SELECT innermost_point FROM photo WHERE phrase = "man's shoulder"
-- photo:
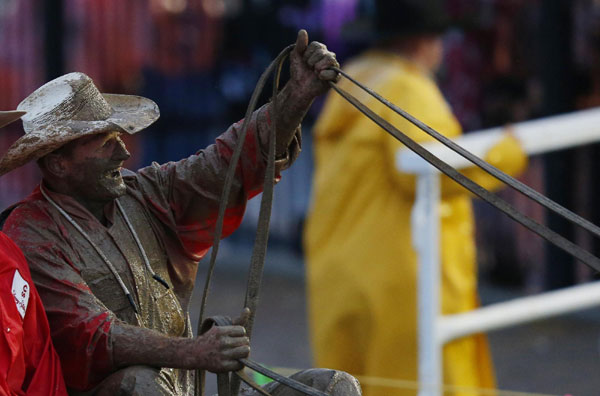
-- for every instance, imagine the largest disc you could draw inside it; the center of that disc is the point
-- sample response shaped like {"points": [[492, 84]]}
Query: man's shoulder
{"points": [[32, 208], [31, 214], [128, 174], [138, 181]]}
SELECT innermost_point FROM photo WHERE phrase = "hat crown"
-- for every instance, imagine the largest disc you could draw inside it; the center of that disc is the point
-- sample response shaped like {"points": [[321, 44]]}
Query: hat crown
{"points": [[70, 97]]}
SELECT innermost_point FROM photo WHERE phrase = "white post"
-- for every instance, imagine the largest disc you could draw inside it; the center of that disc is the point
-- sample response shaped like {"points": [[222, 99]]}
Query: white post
{"points": [[425, 234]]}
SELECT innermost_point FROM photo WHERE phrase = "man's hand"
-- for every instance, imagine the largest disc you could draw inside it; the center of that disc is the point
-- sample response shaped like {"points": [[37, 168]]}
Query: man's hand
{"points": [[309, 64], [217, 350], [220, 348], [309, 78]]}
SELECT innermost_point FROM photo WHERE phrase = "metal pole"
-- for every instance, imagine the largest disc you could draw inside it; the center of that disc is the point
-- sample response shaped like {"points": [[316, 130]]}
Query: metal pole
{"points": [[425, 234]]}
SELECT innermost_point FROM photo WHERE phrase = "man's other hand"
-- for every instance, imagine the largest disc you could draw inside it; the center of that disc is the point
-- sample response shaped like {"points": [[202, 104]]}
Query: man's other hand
{"points": [[309, 64]]}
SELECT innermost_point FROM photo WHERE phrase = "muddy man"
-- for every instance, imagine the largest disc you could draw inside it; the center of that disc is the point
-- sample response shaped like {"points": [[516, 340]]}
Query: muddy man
{"points": [[114, 253]]}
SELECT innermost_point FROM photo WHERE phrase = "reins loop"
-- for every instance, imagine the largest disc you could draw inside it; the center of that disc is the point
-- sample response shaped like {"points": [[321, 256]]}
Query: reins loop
{"points": [[262, 233]]}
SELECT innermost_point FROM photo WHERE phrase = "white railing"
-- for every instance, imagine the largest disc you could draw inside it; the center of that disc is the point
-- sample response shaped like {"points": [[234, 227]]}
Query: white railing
{"points": [[536, 137]]}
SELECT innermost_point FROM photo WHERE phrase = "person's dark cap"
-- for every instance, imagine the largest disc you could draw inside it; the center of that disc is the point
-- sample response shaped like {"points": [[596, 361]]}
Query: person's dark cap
{"points": [[392, 18], [408, 17]]}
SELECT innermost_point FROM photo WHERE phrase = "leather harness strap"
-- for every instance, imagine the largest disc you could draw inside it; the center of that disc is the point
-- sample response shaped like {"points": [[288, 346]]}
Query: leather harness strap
{"points": [[492, 170], [259, 251], [551, 236], [262, 233], [228, 386]]}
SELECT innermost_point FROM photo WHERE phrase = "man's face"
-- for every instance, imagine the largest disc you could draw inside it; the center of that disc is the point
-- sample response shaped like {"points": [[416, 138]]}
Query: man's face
{"points": [[93, 167]]}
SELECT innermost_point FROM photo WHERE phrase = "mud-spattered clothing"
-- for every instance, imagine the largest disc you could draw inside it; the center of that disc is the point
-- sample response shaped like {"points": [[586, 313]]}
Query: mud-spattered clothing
{"points": [[361, 265], [173, 208], [29, 364]]}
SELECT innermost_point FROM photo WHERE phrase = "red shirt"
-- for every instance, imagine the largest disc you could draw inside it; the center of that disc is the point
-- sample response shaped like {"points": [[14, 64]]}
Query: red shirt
{"points": [[28, 363]]}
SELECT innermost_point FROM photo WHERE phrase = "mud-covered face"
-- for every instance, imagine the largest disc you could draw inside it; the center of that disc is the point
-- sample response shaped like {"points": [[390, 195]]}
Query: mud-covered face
{"points": [[93, 167]]}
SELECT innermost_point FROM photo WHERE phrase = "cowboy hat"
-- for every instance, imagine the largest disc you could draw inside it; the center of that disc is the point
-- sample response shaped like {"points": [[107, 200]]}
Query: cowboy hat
{"points": [[6, 117], [68, 108]]}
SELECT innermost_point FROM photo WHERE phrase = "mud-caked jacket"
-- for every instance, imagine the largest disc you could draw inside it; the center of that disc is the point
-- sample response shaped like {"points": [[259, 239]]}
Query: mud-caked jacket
{"points": [[173, 210]]}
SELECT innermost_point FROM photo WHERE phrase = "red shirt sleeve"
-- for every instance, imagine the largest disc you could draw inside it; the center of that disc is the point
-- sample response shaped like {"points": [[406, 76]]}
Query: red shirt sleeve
{"points": [[28, 362]]}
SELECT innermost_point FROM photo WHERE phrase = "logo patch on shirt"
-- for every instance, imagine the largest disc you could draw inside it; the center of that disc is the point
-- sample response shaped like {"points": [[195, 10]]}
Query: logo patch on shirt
{"points": [[20, 291]]}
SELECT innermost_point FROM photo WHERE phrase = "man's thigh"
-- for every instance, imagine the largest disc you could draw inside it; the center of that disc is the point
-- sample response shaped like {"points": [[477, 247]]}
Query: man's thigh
{"points": [[332, 382], [133, 381]]}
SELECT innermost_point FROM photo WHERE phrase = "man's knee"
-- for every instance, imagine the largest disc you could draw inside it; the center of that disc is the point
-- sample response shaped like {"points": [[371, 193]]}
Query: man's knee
{"points": [[332, 382], [335, 382]]}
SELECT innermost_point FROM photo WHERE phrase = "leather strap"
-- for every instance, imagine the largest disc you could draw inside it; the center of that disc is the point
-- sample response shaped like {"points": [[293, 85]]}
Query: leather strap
{"points": [[260, 245], [492, 170], [543, 231], [289, 382], [244, 377], [259, 251]]}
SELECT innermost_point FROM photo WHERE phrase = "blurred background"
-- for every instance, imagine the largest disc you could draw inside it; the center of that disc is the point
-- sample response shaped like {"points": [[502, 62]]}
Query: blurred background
{"points": [[199, 60]]}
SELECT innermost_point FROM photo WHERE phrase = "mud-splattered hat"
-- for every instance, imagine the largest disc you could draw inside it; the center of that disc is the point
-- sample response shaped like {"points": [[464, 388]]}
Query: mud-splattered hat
{"points": [[6, 117], [68, 108]]}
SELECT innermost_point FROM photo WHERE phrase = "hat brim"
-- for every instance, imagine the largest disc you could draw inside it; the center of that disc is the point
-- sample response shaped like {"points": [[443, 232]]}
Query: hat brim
{"points": [[6, 117], [131, 114]]}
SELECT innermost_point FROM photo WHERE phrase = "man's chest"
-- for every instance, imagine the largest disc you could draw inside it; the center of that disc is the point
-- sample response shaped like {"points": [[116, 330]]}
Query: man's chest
{"points": [[126, 257]]}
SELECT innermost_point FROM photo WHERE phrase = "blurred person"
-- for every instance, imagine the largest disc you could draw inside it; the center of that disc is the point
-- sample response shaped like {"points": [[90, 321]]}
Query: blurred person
{"points": [[361, 265], [114, 253], [29, 364]]}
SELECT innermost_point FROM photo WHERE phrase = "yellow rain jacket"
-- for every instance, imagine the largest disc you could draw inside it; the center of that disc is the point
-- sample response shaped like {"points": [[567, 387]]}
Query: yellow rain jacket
{"points": [[361, 266]]}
